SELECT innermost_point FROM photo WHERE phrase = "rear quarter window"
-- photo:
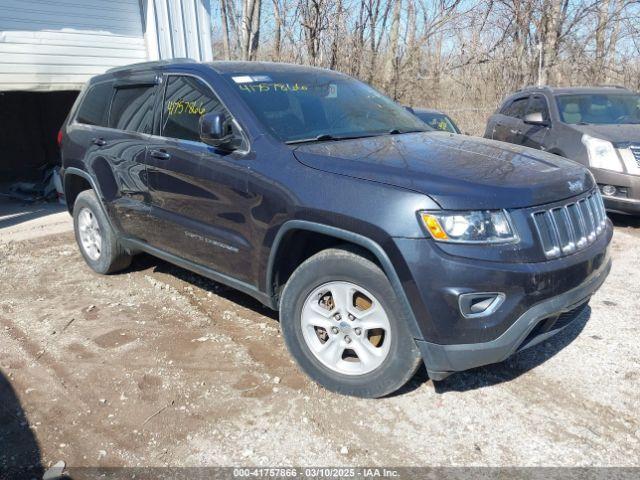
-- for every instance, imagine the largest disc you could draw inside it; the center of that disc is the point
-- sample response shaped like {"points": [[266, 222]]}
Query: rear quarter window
{"points": [[95, 105]]}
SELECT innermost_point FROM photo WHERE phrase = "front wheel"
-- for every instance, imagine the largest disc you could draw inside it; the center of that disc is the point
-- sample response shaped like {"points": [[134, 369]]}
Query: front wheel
{"points": [[343, 324]]}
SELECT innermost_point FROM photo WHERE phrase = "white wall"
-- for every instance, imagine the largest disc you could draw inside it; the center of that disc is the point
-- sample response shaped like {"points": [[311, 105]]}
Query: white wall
{"points": [[178, 29], [58, 45]]}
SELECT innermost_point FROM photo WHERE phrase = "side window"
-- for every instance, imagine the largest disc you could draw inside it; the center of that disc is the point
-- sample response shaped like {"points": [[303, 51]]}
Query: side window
{"points": [[504, 110], [132, 109], [95, 105], [185, 101], [516, 108], [538, 104]]}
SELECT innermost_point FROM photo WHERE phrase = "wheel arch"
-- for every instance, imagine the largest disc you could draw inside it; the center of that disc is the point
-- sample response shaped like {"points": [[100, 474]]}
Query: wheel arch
{"points": [[77, 178], [74, 183], [338, 236]]}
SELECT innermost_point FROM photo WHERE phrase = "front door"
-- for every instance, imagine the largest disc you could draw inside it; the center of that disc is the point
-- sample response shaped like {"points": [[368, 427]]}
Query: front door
{"points": [[514, 126], [198, 193], [534, 135], [507, 122]]}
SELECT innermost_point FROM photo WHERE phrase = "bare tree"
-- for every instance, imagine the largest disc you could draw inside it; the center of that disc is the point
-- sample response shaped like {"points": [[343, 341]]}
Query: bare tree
{"points": [[456, 55], [315, 21], [335, 41], [224, 20], [251, 10], [393, 53], [279, 7]]}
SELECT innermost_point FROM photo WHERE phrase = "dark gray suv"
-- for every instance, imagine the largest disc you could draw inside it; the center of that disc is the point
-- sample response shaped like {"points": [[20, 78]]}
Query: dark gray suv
{"points": [[598, 127], [381, 242]]}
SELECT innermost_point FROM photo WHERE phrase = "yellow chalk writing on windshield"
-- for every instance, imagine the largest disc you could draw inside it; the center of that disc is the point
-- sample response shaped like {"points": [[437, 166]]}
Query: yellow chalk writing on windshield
{"points": [[273, 87]]}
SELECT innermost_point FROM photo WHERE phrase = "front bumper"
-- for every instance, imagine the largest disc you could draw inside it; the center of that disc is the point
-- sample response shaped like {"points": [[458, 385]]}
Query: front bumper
{"points": [[540, 322], [629, 204], [535, 295]]}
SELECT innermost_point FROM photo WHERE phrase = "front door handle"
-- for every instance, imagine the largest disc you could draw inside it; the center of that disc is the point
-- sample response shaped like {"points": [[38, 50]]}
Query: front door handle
{"points": [[101, 142], [515, 132], [160, 154]]}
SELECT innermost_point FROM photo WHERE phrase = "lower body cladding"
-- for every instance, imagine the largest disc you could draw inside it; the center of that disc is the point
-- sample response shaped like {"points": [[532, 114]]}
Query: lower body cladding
{"points": [[620, 191], [534, 302]]}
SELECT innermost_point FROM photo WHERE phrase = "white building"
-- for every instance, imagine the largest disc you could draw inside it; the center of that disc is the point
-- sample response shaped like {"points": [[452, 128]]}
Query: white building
{"points": [[50, 48]]}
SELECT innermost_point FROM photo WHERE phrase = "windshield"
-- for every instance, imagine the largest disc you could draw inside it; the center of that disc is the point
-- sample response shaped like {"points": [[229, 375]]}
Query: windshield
{"points": [[300, 106], [438, 121], [618, 108]]}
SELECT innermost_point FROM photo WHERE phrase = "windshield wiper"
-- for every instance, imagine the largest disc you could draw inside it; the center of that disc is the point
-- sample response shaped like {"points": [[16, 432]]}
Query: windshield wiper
{"points": [[397, 131], [325, 137]]}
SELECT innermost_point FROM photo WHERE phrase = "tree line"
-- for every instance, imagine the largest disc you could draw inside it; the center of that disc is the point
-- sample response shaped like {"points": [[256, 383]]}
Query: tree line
{"points": [[463, 56]]}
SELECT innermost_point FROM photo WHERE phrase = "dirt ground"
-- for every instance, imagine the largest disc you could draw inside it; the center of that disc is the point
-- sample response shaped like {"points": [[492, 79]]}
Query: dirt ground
{"points": [[157, 366]]}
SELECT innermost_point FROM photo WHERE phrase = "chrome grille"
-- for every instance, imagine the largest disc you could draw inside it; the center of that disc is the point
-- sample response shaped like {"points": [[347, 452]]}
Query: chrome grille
{"points": [[635, 149], [565, 229]]}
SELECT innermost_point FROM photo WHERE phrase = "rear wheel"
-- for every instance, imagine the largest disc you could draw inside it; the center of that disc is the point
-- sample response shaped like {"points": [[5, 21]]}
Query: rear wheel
{"points": [[345, 327], [97, 241]]}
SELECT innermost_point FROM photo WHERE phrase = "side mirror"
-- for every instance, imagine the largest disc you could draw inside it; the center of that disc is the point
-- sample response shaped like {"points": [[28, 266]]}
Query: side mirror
{"points": [[409, 109], [535, 118], [215, 130]]}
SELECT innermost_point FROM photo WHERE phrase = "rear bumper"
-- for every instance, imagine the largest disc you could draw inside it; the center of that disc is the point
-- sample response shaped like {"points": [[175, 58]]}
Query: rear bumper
{"points": [[535, 325]]}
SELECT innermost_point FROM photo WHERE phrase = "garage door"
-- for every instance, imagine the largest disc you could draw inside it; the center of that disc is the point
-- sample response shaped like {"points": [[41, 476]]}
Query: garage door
{"points": [[47, 45]]}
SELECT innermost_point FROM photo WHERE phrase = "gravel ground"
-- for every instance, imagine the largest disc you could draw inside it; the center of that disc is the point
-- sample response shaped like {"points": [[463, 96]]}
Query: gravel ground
{"points": [[157, 366]]}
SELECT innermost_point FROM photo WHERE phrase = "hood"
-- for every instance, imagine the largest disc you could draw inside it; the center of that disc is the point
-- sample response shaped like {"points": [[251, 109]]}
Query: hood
{"points": [[618, 134], [457, 171]]}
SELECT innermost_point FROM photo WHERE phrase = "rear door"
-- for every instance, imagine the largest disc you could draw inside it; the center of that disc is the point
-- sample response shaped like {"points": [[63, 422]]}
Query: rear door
{"points": [[124, 152], [198, 193], [534, 135], [108, 135]]}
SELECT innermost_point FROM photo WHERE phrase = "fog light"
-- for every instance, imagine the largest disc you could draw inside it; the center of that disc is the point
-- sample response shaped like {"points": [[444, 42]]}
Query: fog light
{"points": [[479, 304], [608, 190]]}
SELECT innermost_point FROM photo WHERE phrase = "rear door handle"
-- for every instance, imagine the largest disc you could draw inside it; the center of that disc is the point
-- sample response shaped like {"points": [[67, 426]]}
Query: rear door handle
{"points": [[160, 154], [101, 142], [515, 132]]}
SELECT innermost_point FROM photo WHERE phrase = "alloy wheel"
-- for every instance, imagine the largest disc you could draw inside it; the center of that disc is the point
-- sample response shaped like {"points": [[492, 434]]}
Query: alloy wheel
{"points": [[346, 328]]}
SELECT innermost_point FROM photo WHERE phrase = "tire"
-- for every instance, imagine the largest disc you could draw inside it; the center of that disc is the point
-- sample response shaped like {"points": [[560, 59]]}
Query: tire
{"points": [[349, 275], [96, 239]]}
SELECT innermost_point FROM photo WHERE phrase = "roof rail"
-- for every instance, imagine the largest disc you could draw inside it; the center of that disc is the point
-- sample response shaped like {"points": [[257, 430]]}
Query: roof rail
{"points": [[154, 63], [534, 87]]}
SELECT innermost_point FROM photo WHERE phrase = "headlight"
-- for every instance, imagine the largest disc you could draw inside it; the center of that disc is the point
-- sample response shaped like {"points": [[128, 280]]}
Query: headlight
{"points": [[601, 153], [481, 226]]}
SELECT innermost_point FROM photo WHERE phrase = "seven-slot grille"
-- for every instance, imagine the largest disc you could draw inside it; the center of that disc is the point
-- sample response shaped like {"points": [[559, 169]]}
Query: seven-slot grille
{"points": [[567, 228], [635, 149]]}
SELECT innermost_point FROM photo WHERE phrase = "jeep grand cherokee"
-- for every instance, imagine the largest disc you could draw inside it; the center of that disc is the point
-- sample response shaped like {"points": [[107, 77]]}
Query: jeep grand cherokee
{"points": [[382, 242]]}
